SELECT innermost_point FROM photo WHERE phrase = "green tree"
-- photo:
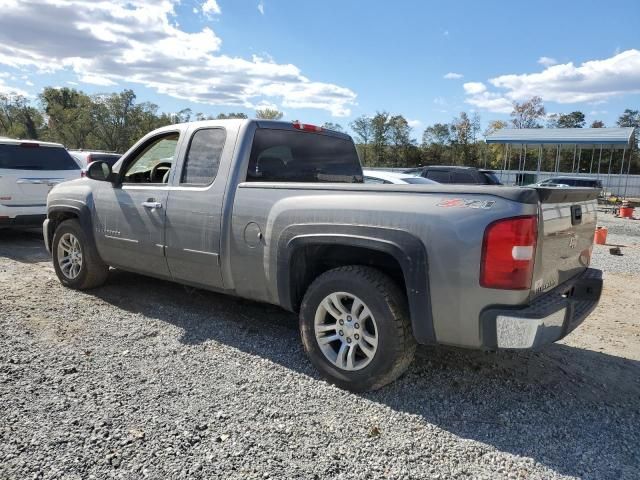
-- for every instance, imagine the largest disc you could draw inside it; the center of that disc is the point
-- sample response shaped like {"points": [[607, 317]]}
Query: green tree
{"points": [[571, 120], [381, 128], [435, 142], [363, 129], [18, 119], [269, 114], [225, 116], [69, 113], [336, 127], [400, 139], [527, 114], [114, 116], [597, 124]]}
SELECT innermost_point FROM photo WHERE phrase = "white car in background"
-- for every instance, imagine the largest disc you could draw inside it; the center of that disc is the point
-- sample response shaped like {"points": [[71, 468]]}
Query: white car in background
{"points": [[397, 178], [28, 170], [85, 157]]}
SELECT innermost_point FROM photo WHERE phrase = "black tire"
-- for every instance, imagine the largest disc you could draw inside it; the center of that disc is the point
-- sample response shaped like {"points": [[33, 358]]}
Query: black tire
{"points": [[388, 305], [93, 271]]}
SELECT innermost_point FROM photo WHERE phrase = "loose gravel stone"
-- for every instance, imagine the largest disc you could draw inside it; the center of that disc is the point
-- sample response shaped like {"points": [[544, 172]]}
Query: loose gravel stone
{"points": [[146, 379]]}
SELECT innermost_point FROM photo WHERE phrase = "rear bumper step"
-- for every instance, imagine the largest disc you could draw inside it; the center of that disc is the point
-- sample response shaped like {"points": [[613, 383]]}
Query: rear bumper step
{"points": [[547, 319]]}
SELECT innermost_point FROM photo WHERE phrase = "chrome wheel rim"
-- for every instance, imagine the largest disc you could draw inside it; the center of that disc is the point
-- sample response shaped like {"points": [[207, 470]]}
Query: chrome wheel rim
{"points": [[346, 331], [69, 256]]}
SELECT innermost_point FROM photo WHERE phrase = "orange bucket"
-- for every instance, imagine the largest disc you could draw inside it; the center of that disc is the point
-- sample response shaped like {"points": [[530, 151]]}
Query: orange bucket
{"points": [[601, 235], [626, 212]]}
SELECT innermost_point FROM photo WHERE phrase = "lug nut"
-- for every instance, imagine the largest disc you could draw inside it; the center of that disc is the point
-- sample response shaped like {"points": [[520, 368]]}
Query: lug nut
{"points": [[341, 333], [341, 322], [348, 318], [356, 336], [348, 339], [357, 325]]}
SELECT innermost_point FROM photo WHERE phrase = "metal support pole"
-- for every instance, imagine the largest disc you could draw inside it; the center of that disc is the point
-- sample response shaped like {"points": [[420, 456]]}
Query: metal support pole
{"points": [[626, 181], [539, 162], [573, 163], [609, 171], [557, 166], [504, 160], [593, 154], [579, 158], [624, 151], [599, 161], [524, 160]]}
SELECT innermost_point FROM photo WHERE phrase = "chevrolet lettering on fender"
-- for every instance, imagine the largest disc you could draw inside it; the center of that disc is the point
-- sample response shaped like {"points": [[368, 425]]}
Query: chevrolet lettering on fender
{"points": [[278, 212]]}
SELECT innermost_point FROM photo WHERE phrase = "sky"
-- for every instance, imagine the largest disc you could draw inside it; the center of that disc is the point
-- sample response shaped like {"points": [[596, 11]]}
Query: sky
{"points": [[331, 61]]}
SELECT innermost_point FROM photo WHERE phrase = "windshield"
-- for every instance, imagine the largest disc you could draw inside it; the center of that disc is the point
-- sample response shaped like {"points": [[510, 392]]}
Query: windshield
{"points": [[31, 156], [419, 180], [492, 178]]}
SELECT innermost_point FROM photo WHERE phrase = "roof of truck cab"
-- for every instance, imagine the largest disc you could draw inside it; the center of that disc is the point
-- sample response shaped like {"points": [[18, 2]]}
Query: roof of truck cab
{"points": [[16, 141], [237, 122]]}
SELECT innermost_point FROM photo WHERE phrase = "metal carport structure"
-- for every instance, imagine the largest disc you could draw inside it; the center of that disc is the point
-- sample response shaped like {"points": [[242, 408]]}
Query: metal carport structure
{"points": [[581, 139]]}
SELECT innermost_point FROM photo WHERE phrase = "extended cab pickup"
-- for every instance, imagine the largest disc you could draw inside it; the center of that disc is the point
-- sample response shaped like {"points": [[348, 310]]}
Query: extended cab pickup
{"points": [[278, 212]]}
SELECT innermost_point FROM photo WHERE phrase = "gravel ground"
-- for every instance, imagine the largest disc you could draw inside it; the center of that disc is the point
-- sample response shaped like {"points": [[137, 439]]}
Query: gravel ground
{"points": [[146, 379], [625, 234]]}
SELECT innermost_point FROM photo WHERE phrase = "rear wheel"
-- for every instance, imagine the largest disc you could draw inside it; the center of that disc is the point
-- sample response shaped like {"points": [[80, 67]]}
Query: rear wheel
{"points": [[75, 260], [355, 328]]}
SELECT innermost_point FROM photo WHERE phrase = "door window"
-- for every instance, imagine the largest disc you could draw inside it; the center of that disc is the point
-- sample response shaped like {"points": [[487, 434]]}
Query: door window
{"points": [[463, 177], [153, 163], [440, 176], [203, 157]]}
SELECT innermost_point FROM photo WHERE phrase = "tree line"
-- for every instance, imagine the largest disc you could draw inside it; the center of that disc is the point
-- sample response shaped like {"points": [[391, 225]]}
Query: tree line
{"points": [[384, 140], [114, 121], [111, 122]]}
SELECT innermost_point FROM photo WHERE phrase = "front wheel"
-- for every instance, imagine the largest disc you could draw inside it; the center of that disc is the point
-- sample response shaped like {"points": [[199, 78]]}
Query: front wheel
{"points": [[75, 261], [355, 328]]}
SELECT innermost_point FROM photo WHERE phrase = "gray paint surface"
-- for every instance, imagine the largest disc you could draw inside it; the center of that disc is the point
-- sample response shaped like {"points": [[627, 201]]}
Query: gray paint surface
{"points": [[227, 236]]}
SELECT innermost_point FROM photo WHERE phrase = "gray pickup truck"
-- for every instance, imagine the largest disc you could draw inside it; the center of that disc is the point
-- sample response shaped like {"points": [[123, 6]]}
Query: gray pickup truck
{"points": [[278, 212]]}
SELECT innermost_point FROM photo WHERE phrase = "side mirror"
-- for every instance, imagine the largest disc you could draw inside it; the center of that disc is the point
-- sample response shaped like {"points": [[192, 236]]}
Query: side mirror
{"points": [[100, 171]]}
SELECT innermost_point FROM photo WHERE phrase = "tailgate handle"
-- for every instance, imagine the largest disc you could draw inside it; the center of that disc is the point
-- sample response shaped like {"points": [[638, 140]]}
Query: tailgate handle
{"points": [[576, 214]]}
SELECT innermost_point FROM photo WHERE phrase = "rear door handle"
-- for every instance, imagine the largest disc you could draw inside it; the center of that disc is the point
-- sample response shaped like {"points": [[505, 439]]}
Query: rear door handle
{"points": [[151, 204]]}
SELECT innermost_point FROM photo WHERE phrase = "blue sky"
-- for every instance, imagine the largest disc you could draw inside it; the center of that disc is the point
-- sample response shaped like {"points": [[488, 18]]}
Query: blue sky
{"points": [[331, 60]]}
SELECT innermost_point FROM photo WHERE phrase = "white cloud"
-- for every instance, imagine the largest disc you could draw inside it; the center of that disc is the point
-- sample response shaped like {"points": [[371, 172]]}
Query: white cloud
{"points": [[414, 123], [453, 76], [261, 7], [592, 82], [547, 61], [211, 7], [11, 90], [138, 42], [440, 101], [474, 88]]}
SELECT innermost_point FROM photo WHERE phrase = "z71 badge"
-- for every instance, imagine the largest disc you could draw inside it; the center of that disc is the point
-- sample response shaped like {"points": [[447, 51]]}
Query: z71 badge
{"points": [[465, 203]]}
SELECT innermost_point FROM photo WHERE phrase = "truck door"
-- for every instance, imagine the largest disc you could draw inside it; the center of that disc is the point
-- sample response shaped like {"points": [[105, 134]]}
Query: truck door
{"points": [[129, 217], [194, 213]]}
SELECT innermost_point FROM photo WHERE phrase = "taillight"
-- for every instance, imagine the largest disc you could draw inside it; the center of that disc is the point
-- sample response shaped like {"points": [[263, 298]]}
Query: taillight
{"points": [[307, 127], [508, 253]]}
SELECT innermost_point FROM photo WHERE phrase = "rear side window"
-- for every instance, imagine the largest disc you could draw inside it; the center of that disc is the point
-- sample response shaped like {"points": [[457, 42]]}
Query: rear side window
{"points": [[291, 156], [34, 157], [203, 157], [441, 176], [463, 177]]}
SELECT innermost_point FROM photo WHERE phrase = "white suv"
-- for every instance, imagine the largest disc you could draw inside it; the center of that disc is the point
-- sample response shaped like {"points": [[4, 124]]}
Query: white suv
{"points": [[85, 157], [28, 170]]}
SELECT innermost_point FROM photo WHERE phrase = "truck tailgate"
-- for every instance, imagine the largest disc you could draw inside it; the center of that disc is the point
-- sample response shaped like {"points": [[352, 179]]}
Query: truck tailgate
{"points": [[566, 235]]}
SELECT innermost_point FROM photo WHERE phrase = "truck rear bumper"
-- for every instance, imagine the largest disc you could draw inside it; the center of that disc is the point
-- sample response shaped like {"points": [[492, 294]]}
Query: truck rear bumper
{"points": [[547, 319]]}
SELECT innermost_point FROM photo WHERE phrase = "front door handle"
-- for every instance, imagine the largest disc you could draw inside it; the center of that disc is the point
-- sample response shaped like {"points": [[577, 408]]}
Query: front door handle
{"points": [[151, 204]]}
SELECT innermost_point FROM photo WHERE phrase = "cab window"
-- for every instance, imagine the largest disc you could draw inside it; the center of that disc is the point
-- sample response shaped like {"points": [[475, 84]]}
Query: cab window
{"points": [[153, 163]]}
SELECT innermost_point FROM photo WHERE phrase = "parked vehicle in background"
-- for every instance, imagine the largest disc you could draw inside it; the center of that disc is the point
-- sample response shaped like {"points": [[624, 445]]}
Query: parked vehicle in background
{"points": [[457, 174], [571, 182], [397, 178], [85, 157], [278, 212], [28, 170]]}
